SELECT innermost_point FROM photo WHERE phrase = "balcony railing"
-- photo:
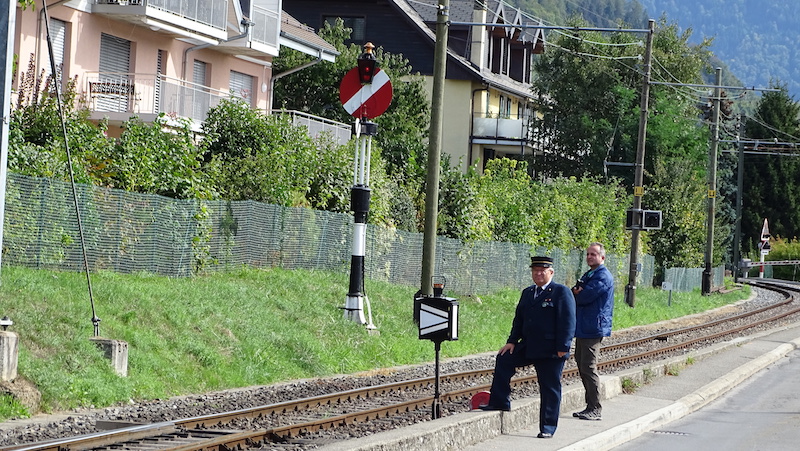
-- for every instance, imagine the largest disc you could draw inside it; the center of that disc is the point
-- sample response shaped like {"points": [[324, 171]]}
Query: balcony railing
{"points": [[500, 128], [317, 125], [267, 26], [116, 92], [207, 12], [151, 94]]}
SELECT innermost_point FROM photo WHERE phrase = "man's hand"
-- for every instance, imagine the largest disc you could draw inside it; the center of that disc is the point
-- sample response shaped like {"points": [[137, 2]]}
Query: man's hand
{"points": [[561, 354], [509, 347]]}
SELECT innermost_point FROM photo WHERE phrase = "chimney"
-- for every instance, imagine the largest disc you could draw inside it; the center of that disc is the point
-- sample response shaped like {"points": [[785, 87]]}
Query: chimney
{"points": [[478, 53]]}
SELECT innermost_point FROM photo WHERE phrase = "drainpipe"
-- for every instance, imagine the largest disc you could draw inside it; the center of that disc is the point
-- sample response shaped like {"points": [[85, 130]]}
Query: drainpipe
{"points": [[247, 24]]}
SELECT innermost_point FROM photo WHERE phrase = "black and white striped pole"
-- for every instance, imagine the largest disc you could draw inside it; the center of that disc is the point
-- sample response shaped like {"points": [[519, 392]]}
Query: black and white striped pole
{"points": [[365, 93], [359, 203]]}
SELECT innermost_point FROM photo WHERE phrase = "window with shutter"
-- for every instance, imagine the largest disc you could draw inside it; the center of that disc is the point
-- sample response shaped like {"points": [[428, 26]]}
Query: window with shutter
{"points": [[114, 90]]}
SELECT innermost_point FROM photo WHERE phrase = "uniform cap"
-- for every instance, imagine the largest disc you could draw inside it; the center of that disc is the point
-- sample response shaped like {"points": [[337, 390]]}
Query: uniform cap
{"points": [[543, 262]]}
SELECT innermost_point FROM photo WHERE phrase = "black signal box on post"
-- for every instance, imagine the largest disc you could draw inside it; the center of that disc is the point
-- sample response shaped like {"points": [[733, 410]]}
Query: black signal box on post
{"points": [[652, 220], [643, 219], [438, 318]]}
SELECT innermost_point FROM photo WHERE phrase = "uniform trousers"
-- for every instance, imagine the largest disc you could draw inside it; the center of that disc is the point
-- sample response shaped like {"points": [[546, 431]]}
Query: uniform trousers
{"points": [[548, 372], [587, 351]]}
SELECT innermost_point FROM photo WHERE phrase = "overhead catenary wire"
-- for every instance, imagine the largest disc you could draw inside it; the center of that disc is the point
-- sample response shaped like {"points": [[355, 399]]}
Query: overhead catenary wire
{"points": [[674, 78], [60, 107], [695, 91], [761, 122], [594, 55]]}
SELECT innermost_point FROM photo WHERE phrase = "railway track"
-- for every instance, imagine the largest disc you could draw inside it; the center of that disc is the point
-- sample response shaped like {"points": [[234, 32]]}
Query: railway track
{"points": [[309, 420]]}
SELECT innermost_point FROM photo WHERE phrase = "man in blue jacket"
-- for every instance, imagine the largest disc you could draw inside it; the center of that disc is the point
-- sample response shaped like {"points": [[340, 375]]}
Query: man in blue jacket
{"points": [[541, 335], [594, 298]]}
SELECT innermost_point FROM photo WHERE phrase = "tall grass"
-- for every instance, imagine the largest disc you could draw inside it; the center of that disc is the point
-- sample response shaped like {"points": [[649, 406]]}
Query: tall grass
{"points": [[240, 328]]}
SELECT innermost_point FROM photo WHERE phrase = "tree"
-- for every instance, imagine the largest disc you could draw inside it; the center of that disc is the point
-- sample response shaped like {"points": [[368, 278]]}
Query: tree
{"points": [[589, 87], [254, 156], [770, 180], [149, 159], [565, 212], [589, 90], [680, 242]]}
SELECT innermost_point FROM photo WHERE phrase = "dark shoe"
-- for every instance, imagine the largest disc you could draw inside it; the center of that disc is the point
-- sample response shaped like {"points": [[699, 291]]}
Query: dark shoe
{"points": [[545, 435], [489, 408], [578, 414], [593, 415]]}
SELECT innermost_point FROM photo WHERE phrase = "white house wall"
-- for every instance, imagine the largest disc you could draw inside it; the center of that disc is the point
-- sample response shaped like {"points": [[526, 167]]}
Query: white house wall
{"points": [[455, 120]]}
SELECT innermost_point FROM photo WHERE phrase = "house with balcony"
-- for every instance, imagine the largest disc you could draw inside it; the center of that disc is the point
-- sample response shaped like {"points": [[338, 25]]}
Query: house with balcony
{"points": [[491, 45], [176, 57]]}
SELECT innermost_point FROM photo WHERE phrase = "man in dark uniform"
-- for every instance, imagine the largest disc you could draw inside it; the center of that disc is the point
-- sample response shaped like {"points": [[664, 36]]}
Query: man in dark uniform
{"points": [[541, 335]]}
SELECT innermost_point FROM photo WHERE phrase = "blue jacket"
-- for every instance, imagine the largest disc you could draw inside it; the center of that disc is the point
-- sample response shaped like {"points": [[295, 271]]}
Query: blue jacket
{"points": [[595, 304], [544, 325]]}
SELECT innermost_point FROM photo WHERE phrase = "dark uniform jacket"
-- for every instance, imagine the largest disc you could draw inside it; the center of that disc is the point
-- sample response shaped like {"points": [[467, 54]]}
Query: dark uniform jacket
{"points": [[545, 324], [595, 304]]}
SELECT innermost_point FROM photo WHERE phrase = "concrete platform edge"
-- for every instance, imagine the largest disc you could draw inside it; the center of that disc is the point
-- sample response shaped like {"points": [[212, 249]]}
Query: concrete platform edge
{"points": [[684, 406], [460, 430]]}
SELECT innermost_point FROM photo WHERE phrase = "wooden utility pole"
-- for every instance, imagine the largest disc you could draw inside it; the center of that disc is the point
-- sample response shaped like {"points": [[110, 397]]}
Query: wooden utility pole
{"points": [[638, 183], [708, 273], [434, 150]]}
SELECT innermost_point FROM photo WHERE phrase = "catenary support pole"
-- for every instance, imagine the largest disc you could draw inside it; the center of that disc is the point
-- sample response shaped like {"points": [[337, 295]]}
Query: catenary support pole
{"points": [[434, 150], [638, 183], [708, 273], [737, 236]]}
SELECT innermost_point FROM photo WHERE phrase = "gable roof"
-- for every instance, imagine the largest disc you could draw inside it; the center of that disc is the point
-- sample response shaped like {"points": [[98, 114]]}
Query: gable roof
{"points": [[304, 39], [422, 14]]}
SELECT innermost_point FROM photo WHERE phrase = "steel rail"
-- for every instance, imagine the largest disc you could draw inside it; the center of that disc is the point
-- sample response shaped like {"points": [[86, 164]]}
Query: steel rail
{"points": [[240, 439]]}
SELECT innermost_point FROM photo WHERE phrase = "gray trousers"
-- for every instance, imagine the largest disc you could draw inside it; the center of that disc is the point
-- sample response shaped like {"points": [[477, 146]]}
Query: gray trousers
{"points": [[587, 350]]}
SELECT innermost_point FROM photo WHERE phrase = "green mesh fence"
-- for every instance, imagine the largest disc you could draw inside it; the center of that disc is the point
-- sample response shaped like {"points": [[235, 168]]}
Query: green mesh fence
{"points": [[129, 232], [688, 279]]}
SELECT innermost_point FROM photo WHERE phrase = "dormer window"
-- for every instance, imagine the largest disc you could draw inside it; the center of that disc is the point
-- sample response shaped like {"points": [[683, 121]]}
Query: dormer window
{"points": [[357, 24]]}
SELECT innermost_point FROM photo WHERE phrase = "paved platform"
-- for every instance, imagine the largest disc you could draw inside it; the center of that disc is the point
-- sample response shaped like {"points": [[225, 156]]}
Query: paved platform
{"points": [[661, 393]]}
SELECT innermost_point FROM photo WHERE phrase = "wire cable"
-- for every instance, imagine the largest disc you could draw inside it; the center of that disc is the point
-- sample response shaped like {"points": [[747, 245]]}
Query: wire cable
{"points": [[57, 87], [760, 121], [593, 55]]}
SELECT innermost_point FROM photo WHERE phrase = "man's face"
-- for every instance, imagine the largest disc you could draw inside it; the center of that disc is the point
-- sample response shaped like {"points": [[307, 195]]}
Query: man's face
{"points": [[541, 276], [593, 257]]}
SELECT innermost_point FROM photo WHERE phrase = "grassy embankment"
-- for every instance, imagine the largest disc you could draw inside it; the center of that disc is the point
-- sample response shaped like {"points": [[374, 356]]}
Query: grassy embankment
{"points": [[240, 328]]}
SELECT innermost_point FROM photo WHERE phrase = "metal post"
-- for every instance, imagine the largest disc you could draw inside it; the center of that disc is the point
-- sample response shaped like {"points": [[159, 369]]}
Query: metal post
{"points": [[434, 150], [737, 236], [708, 272], [8, 23], [638, 184], [437, 407]]}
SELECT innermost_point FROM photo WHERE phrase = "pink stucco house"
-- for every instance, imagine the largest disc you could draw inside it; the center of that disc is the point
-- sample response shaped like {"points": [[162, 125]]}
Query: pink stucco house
{"points": [[179, 57]]}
